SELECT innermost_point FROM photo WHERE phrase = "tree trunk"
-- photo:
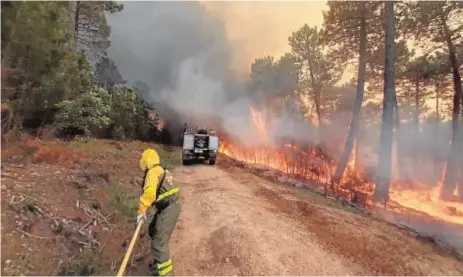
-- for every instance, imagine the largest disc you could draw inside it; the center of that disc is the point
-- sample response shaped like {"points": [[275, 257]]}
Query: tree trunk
{"points": [[396, 113], [354, 125], [398, 145], [383, 173], [437, 105], [317, 96], [358, 142], [317, 109], [417, 107], [437, 164], [317, 93], [417, 124], [451, 173], [76, 24]]}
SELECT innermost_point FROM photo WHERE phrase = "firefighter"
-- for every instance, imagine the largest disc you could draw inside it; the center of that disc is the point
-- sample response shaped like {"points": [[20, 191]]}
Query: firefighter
{"points": [[159, 191]]}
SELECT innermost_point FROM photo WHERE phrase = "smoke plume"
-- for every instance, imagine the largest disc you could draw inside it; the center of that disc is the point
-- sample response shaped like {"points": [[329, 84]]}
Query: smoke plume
{"points": [[182, 50]]}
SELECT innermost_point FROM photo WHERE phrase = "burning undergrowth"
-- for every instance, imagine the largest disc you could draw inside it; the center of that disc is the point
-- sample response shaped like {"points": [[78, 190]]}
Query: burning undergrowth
{"points": [[412, 204]]}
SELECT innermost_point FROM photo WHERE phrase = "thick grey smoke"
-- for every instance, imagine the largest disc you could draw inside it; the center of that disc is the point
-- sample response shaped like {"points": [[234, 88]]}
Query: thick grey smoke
{"points": [[182, 52]]}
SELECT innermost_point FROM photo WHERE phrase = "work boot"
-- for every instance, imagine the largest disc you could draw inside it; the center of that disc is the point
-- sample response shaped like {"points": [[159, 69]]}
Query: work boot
{"points": [[160, 271], [153, 268]]}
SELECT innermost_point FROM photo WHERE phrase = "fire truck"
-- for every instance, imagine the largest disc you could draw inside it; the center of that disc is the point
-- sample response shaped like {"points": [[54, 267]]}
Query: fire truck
{"points": [[199, 144]]}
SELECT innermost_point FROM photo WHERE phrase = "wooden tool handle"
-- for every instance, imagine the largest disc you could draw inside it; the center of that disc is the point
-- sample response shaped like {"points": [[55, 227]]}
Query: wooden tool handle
{"points": [[129, 250]]}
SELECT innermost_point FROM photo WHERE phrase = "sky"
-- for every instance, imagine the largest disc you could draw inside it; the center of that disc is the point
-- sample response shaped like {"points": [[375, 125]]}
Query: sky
{"points": [[257, 29]]}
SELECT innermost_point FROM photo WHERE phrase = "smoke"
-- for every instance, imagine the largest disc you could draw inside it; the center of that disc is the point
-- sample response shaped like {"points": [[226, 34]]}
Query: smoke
{"points": [[192, 55], [180, 51], [189, 55]]}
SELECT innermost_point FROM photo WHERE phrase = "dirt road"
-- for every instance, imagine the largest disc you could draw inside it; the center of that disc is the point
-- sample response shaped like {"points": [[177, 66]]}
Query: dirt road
{"points": [[235, 223], [233, 231]]}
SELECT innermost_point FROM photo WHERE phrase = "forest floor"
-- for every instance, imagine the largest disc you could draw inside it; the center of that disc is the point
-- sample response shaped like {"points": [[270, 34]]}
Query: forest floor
{"points": [[68, 208]]}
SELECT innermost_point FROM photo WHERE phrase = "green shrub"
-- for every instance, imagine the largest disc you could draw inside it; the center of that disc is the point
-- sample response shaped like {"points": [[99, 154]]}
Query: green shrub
{"points": [[88, 110], [118, 132], [125, 203], [83, 264]]}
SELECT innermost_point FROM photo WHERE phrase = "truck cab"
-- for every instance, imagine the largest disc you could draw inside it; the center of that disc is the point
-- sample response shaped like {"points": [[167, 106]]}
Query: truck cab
{"points": [[199, 144]]}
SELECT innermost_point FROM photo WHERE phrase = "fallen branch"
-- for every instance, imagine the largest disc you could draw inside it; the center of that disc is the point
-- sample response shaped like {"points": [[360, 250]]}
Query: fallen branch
{"points": [[91, 213], [104, 218], [91, 241], [82, 243], [86, 225]]}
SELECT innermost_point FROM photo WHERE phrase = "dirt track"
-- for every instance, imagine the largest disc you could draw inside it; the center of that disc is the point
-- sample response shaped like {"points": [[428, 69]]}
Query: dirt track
{"points": [[234, 223], [232, 231]]}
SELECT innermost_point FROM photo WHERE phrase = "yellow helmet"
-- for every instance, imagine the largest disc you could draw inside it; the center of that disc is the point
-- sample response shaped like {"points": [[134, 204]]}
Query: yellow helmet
{"points": [[149, 158]]}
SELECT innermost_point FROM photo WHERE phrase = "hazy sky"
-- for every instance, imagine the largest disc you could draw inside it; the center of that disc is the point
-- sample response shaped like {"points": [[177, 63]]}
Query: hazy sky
{"points": [[253, 29], [256, 29]]}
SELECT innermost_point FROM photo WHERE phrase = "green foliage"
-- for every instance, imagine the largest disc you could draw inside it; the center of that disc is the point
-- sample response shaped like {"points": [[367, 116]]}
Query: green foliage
{"points": [[342, 22], [438, 26], [129, 115], [121, 115], [87, 111], [40, 65], [317, 70], [274, 78], [434, 21], [85, 263], [263, 76], [125, 203], [118, 132], [107, 74]]}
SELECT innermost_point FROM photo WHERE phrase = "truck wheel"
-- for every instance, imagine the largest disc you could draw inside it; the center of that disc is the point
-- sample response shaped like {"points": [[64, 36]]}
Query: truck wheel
{"points": [[185, 162], [212, 162]]}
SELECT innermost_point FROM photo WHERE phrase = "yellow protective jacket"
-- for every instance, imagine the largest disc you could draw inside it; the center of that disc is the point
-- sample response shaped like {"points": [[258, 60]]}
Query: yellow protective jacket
{"points": [[150, 163], [157, 181], [152, 182]]}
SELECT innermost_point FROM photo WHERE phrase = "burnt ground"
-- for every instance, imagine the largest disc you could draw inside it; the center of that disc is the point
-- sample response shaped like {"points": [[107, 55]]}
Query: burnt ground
{"points": [[69, 208]]}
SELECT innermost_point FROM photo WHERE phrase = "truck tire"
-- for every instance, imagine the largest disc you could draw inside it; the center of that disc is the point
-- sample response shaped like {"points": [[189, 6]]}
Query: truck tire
{"points": [[212, 162]]}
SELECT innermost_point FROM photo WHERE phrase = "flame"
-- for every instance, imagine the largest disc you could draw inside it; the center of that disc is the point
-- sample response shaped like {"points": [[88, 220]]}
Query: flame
{"points": [[311, 164], [428, 201]]}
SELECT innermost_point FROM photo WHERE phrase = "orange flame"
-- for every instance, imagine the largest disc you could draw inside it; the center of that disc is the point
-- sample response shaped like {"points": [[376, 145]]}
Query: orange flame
{"points": [[311, 164]]}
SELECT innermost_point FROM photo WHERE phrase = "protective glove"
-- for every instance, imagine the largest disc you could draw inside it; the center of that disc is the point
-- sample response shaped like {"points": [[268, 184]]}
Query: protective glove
{"points": [[141, 217]]}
